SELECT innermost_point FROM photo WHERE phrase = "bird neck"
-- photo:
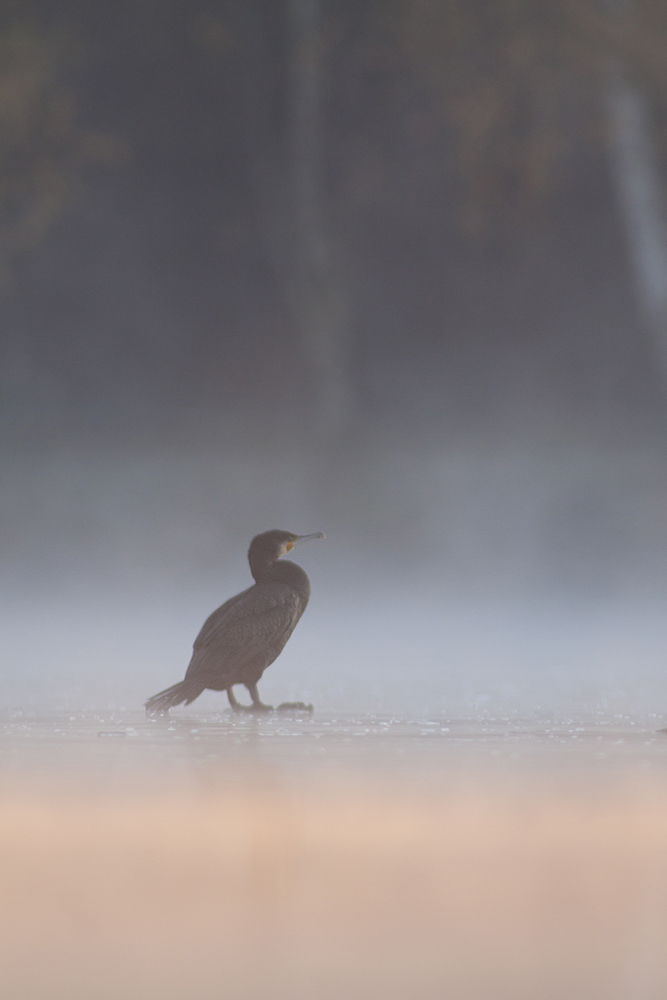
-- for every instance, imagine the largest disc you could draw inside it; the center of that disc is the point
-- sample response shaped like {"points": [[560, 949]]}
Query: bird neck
{"points": [[265, 568], [261, 567], [280, 571]]}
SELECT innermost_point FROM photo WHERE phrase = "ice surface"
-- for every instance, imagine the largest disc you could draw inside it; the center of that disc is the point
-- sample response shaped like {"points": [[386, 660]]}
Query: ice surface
{"points": [[209, 855], [129, 749]]}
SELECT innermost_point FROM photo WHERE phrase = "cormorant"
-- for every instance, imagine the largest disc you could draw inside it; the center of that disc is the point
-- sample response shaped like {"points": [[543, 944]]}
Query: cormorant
{"points": [[243, 637]]}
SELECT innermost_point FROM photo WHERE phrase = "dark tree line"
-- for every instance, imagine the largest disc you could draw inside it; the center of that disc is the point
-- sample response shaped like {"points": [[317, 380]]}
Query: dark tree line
{"points": [[321, 216]]}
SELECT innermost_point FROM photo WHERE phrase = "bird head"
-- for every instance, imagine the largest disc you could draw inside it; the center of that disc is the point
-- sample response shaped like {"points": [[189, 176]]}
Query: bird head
{"points": [[271, 545]]}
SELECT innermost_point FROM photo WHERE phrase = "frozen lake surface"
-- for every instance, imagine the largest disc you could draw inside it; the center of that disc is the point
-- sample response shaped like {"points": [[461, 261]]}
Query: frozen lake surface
{"points": [[123, 749], [304, 857]]}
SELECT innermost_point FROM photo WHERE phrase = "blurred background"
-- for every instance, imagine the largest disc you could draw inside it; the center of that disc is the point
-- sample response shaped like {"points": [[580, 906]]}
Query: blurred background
{"points": [[392, 270]]}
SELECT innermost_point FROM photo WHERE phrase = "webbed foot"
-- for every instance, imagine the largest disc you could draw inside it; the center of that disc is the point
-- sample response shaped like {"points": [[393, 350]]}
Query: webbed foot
{"points": [[294, 706]]}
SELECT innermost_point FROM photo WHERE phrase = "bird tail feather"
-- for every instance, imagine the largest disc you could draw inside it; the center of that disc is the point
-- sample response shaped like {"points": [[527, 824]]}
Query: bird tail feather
{"points": [[185, 691]]}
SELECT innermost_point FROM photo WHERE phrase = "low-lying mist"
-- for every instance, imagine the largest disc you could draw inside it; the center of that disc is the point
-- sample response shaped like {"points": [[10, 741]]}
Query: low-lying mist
{"points": [[452, 581]]}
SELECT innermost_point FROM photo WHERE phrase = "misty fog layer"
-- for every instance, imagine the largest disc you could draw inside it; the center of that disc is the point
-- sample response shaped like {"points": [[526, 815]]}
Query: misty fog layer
{"points": [[473, 582]]}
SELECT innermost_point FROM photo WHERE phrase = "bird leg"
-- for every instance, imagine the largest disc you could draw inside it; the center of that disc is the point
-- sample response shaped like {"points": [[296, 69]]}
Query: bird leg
{"points": [[236, 705], [257, 705]]}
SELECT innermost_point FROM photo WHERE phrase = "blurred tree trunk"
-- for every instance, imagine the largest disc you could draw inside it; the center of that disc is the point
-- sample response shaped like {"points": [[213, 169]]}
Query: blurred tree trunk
{"points": [[640, 190], [641, 195], [286, 133], [320, 299]]}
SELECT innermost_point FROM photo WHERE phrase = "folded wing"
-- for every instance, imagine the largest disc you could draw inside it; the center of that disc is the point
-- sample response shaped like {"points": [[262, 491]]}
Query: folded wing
{"points": [[246, 633]]}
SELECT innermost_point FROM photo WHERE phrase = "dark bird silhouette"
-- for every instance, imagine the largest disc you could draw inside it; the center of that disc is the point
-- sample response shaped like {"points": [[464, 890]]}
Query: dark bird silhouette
{"points": [[243, 637]]}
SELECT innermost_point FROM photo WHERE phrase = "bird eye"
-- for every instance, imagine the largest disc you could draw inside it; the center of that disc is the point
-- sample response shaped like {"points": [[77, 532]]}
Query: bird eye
{"points": [[289, 546]]}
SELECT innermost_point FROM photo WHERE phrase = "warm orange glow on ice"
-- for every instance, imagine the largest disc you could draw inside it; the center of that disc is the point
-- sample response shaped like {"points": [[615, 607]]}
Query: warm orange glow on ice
{"points": [[354, 889]]}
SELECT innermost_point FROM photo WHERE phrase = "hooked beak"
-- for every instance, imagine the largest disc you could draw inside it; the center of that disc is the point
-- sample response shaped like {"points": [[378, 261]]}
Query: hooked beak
{"points": [[307, 538], [302, 538]]}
